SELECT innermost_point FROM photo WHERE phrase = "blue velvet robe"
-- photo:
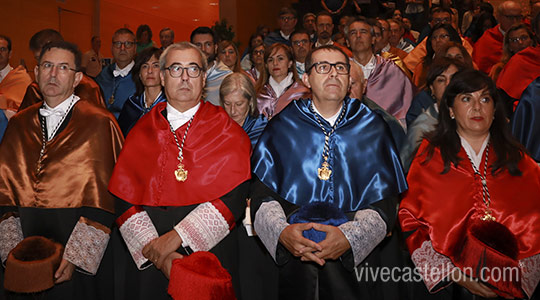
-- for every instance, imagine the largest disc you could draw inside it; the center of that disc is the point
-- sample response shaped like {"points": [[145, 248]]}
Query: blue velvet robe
{"points": [[134, 109], [121, 87], [254, 127], [363, 158], [4, 122], [526, 120]]}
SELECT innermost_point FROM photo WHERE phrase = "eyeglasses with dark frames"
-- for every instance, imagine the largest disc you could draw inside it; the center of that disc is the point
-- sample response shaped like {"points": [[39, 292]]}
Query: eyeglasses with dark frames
{"points": [[324, 67], [176, 70]]}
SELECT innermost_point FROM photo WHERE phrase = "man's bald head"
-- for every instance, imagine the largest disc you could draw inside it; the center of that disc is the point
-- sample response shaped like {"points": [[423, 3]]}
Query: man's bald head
{"points": [[509, 13], [358, 82]]}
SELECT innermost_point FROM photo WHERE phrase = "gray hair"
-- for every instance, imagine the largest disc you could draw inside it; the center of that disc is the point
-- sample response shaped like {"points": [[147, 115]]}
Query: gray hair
{"points": [[238, 81], [182, 46]]}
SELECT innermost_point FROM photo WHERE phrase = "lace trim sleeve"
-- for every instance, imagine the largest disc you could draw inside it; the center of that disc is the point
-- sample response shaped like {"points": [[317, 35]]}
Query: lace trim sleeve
{"points": [[137, 230], [204, 227], [270, 221], [364, 233], [87, 244], [530, 273], [433, 266]]}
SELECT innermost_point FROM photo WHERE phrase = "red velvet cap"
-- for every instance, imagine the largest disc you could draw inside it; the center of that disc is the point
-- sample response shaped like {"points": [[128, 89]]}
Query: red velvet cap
{"points": [[30, 266], [488, 249], [200, 276]]}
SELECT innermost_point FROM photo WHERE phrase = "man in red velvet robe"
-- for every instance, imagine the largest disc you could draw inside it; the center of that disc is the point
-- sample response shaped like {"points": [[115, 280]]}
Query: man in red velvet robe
{"points": [[488, 49], [54, 171], [182, 179], [87, 89]]}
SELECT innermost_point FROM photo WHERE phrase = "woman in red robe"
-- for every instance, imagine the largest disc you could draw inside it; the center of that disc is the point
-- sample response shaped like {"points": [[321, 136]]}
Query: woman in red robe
{"points": [[471, 214]]}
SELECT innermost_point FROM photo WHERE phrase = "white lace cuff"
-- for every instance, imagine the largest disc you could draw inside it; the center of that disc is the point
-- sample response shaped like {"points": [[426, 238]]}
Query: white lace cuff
{"points": [[137, 230], [364, 233], [530, 273], [270, 221], [203, 228], [433, 266], [87, 244], [10, 235]]}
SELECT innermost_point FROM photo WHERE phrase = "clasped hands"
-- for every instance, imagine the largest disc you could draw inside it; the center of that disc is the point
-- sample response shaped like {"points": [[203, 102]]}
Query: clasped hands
{"points": [[332, 247], [162, 251]]}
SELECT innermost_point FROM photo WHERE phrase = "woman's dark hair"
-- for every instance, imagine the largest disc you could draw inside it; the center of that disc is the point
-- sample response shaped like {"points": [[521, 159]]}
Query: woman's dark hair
{"points": [[142, 58], [454, 37], [445, 137], [476, 28], [439, 65], [265, 74], [142, 28]]}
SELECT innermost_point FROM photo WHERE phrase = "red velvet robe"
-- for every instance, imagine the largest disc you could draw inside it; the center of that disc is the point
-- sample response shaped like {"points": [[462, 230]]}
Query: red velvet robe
{"points": [[488, 49], [520, 71], [437, 207]]}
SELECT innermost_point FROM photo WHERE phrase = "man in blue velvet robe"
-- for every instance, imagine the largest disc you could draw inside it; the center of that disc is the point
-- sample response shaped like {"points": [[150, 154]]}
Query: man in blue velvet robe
{"points": [[115, 79], [330, 152]]}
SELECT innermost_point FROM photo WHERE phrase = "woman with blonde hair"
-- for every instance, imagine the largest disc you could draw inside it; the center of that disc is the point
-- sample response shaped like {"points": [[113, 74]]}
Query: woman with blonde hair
{"points": [[278, 84], [237, 96]]}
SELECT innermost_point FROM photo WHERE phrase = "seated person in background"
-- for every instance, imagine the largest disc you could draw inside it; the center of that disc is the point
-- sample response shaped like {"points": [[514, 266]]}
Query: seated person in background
{"points": [[116, 80], [87, 89], [517, 38], [423, 114], [279, 83], [149, 92], [488, 49]]}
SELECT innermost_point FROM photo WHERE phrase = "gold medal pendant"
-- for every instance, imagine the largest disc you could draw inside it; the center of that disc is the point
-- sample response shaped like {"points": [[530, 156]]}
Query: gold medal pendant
{"points": [[181, 173], [324, 172], [111, 100], [487, 216]]}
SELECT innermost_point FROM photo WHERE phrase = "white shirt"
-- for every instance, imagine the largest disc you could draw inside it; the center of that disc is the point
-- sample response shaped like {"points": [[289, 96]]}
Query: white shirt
{"points": [[332, 120], [386, 48], [284, 36], [369, 67], [53, 116], [280, 87], [123, 72], [475, 157], [4, 72], [317, 44], [177, 119]]}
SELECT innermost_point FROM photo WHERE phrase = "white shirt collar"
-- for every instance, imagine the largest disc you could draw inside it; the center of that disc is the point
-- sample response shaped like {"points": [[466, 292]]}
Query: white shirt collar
{"points": [[502, 31], [123, 72], [386, 48], [475, 157], [177, 119], [284, 36], [280, 87], [4, 72], [318, 44], [369, 67], [331, 120], [55, 115]]}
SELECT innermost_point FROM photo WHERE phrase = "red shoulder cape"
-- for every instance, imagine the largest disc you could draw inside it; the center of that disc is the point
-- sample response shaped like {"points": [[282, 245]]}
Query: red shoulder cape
{"points": [[488, 49], [520, 71], [437, 206], [216, 156]]}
